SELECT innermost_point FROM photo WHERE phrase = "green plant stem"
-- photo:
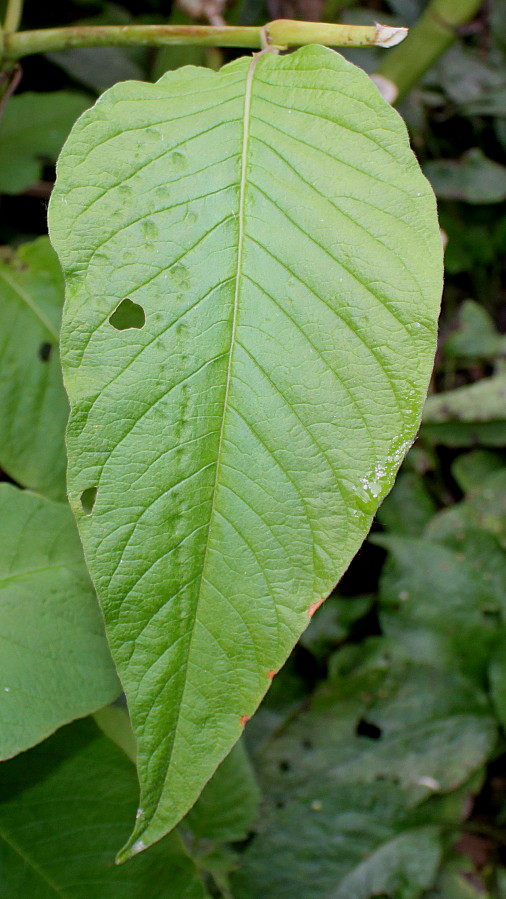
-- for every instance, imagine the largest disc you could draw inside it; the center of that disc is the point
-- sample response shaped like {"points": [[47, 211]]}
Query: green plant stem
{"points": [[435, 31], [13, 15], [280, 33]]}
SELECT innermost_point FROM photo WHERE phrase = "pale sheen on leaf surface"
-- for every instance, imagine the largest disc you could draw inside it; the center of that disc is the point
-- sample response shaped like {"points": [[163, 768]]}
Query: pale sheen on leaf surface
{"points": [[273, 228]]}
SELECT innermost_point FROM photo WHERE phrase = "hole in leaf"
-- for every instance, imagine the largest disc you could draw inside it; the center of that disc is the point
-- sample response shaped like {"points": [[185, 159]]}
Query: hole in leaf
{"points": [[127, 315], [368, 729], [88, 498], [45, 351], [284, 765]]}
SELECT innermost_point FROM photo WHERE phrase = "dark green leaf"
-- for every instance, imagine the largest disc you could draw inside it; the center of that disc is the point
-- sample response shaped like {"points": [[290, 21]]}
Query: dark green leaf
{"points": [[409, 506], [64, 807]]}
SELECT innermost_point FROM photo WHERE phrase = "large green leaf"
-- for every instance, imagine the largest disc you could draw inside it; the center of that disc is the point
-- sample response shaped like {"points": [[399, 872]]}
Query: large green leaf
{"points": [[55, 664], [33, 405], [279, 250], [63, 808]]}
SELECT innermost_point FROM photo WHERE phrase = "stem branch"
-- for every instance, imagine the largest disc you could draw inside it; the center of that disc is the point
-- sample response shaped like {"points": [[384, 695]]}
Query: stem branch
{"points": [[13, 15], [280, 33]]}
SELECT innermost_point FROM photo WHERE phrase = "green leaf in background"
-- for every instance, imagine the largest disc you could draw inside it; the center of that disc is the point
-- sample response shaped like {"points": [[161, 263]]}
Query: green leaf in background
{"points": [[469, 415], [408, 507], [98, 68], [64, 806], [482, 510], [497, 674], [346, 782], [32, 131], [270, 233], [473, 178], [476, 337], [55, 664], [458, 879], [345, 842], [228, 805], [33, 404], [376, 720], [334, 622], [443, 603], [471, 470]]}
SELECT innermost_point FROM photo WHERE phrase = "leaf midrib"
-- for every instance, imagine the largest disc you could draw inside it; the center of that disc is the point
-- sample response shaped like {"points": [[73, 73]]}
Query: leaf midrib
{"points": [[237, 291]]}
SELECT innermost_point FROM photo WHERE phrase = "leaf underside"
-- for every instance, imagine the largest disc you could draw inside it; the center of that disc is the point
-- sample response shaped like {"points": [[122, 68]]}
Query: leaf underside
{"points": [[272, 224]]}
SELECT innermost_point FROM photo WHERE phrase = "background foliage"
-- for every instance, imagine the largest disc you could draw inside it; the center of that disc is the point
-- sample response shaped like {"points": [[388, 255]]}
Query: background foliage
{"points": [[375, 766]]}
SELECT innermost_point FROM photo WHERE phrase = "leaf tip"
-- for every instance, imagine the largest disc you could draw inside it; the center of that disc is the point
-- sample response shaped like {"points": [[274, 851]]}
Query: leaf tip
{"points": [[129, 851]]}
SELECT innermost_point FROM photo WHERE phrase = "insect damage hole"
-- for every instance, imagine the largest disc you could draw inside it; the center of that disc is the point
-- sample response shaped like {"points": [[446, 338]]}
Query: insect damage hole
{"points": [[88, 498], [45, 351], [368, 729], [127, 315]]}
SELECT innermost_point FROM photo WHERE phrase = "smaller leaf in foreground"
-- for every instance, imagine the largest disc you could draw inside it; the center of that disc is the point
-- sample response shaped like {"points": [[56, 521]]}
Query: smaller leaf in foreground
{"points": [[32, 131], [55, 664], [33, 404], [64, 807]]}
